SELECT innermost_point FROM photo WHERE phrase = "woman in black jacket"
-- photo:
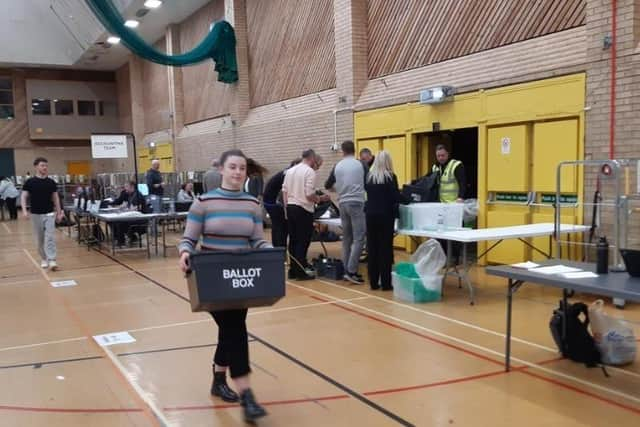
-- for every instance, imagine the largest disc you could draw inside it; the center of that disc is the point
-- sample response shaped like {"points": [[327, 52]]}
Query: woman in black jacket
{"points": [[381, 210]]}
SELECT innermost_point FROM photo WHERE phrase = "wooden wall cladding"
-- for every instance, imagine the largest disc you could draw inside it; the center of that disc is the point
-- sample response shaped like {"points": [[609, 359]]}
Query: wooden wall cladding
{"points": [[291, 48], [406, 34], [155, 88], [204, 96]]}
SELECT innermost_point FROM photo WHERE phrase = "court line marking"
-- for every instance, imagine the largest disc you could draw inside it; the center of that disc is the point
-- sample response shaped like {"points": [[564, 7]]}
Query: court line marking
{"points": [[469, 325], [289, 357], [40, 344], [7, 228], [69, 410], [155, 414], [253, 313], [356, 395], [478, 347], [170, 325], [50, 362]]}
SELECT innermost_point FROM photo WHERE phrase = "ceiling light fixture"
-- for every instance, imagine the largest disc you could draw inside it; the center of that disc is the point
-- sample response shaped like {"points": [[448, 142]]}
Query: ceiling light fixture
{"points": [[152, 4], [113, 40], [131, 23]]}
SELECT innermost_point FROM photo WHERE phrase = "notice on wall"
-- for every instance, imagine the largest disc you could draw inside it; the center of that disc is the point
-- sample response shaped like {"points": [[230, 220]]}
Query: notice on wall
{"points": [[109, 146], [112, 338], [505, 145]]}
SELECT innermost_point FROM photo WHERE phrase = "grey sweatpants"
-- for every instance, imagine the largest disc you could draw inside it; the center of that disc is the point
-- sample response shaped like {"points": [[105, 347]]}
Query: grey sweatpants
{"points": [[354, 229], [44, 229]]}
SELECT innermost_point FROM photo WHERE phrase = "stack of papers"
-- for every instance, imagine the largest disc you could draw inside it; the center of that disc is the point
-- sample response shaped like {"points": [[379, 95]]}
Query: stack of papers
{"points": [[556, 269], [526, 265], [563, 270]]}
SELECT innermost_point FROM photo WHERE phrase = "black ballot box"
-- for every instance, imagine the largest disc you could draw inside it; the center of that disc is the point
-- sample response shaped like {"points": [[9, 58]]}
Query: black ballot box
{"points": [[225, 280]]}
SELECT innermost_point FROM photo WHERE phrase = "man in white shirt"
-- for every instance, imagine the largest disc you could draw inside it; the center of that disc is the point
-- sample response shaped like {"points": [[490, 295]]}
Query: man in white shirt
{"points": [[299, 194]]}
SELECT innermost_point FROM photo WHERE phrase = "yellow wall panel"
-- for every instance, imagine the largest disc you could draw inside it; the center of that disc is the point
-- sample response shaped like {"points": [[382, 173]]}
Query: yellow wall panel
{"points": [[508, 251], [508, 158], [79, 168], [537, 100], [554, 142], [382, 122], [373, 144]]}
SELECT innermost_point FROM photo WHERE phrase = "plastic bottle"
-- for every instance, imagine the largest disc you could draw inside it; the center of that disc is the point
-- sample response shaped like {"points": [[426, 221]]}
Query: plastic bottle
{"points": [[440, 225], [602, 256], [172, 207]]}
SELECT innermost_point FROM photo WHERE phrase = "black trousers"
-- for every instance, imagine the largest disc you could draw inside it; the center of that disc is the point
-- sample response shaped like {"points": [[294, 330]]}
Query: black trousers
{"points": [[11, 206], [233, 341], [380, 249], [279, 230], [300, 222]]}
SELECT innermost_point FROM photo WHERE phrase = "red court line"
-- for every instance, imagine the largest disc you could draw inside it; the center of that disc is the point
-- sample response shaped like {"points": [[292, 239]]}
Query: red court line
{"points": [[436, 384], [269, 403], [583, 392], [521, 369], [393, 325], [69, 410]]}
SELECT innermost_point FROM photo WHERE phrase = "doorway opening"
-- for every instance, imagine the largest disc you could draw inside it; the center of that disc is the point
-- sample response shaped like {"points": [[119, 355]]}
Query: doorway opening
{"points": [[462, 145]]}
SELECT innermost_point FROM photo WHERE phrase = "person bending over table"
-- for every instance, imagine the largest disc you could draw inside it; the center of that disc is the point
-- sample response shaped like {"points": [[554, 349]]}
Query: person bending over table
{"points": [[227, 219]]}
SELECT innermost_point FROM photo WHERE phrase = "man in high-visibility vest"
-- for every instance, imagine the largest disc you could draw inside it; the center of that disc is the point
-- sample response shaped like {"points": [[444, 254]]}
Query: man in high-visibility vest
{"points": [[453, 181]]}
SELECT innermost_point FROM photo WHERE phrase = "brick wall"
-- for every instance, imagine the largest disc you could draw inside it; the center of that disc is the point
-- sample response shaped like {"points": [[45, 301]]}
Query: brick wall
{"points": [[627, 104]]}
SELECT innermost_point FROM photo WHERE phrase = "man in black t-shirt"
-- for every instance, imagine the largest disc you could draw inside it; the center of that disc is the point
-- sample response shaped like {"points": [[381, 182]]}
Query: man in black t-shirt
{"points": [[42, 192]]}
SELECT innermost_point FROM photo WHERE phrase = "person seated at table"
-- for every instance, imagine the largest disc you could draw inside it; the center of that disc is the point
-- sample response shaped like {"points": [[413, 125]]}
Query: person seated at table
{"points": [[130, 198], [185, 194]]}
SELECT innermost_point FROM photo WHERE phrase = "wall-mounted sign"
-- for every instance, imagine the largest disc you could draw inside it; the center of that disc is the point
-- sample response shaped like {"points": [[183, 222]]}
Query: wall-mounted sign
{"points": [[564, 198], [512, 197], [505, 145], [109, 146]]}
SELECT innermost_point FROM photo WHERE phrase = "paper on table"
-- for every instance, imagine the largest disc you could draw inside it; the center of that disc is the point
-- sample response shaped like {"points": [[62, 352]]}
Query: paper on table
{"points": [[579, 275], [527, 265], [555, 269]]}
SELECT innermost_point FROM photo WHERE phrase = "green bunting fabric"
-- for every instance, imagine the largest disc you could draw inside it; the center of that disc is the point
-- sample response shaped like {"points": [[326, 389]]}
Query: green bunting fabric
{"points": [[219, 45]]}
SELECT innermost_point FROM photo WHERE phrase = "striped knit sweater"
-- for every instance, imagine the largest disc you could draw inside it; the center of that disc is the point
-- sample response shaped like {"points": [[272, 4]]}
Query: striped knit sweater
{"points": [[226, 220]]}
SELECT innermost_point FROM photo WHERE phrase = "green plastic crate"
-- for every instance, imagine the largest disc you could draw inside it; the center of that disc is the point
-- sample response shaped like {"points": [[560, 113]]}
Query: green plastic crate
{"points": [[408, 286]]}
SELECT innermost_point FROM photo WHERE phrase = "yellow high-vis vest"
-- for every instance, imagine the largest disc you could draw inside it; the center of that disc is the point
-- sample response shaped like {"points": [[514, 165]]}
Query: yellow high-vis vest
{"points": [[449, 187]]}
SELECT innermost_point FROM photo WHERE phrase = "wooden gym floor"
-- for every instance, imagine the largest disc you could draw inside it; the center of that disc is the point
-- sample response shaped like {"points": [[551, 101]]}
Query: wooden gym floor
{"points": [[329, 354]]}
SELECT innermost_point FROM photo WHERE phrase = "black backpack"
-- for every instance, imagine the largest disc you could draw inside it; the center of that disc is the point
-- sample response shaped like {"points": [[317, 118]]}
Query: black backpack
{"points": [[578, 345]]}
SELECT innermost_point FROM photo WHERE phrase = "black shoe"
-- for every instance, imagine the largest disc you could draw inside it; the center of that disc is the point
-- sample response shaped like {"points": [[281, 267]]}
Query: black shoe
{"points": [[305, 276], [221, 389], [387, 288], [252, 409], [375, 287], [291, 275]]}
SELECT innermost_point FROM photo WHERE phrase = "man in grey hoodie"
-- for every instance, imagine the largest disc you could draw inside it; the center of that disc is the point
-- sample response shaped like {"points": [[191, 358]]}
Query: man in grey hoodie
{"points": [[348, 178]]}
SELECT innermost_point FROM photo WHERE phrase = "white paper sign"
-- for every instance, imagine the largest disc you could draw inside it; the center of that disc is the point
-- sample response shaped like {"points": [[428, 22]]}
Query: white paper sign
{"points": [[114, 338], [505, 145], [109, 146], [63, 283]]}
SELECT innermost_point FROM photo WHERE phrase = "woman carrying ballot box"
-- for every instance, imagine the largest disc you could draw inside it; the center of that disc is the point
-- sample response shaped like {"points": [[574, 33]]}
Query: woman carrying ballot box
{"points": [[227, 218]]}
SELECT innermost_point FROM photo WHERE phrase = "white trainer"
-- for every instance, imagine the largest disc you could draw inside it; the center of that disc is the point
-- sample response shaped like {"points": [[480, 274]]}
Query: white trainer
{"points": [[44, 263], [53, 266]]}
